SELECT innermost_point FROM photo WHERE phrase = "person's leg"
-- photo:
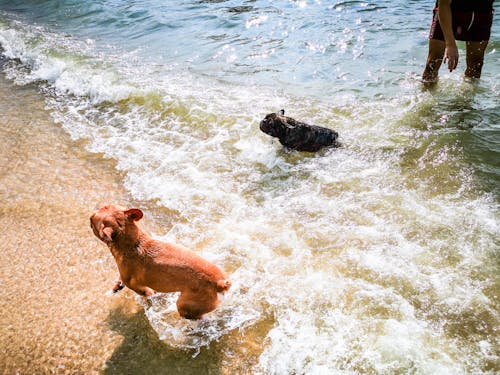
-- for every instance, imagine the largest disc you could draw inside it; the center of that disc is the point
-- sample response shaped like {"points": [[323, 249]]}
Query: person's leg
{"points": [[434, 60], [475, 58]]}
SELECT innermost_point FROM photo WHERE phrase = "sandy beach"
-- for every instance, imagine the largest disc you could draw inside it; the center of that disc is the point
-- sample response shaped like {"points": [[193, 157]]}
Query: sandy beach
{"points": [[56, 315]]}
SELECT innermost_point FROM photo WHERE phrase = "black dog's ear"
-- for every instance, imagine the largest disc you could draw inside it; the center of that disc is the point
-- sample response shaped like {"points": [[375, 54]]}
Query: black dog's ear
{"points": [[282, 112]]}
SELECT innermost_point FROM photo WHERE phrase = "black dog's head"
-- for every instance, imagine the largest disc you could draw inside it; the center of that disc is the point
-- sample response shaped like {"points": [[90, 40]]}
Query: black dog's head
{"points": [[274, 124]]}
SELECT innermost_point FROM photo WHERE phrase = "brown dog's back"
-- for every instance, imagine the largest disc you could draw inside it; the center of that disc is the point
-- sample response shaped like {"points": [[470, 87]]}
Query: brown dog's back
{"points": [[172, 267]]}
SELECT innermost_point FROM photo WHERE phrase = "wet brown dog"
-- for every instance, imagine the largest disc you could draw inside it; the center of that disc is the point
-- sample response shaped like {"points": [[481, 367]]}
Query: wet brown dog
{"points": [[147, 266]]}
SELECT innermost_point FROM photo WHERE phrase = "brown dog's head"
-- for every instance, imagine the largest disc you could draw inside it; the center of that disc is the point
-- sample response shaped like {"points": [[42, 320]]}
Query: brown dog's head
{"points": [[110, 221]]}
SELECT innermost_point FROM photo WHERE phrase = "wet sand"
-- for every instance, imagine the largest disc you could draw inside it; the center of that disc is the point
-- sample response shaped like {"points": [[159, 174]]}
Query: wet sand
{"points": [[55, 314]]}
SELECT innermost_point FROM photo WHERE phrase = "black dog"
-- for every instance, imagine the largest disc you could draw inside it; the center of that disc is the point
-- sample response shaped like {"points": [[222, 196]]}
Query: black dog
{"points": [[298, 135]]}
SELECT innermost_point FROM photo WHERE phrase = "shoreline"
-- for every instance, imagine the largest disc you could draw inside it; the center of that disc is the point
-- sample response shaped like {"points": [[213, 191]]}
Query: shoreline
{"points": [[57, 315], [55, 275]]}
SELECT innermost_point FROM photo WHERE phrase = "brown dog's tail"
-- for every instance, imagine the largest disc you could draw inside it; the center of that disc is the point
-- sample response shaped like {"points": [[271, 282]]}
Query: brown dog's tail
{"points": [[223, 285]]}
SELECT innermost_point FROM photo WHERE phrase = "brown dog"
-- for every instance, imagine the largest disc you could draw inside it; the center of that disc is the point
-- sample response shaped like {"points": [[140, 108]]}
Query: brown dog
{"points": [[147, 266]]}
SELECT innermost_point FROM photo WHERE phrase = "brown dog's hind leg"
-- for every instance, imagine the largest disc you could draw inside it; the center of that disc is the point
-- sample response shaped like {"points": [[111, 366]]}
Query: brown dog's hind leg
{"points": [[193, 305]]}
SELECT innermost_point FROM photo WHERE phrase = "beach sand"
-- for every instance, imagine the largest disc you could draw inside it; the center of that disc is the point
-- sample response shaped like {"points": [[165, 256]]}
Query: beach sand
{"points": [[55, 314]]}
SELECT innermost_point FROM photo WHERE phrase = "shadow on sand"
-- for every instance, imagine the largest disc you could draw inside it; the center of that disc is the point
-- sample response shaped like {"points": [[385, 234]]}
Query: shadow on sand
{"points": [[142, 352]]}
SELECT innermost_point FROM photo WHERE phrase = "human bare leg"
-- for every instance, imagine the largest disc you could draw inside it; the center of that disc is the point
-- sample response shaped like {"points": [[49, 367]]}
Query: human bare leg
{"points": [[475, 58], [434, 60]]}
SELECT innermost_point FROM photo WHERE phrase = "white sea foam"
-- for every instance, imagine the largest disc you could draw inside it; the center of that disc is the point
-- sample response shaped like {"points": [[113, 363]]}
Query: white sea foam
{"points": [[58, 65], [161, 311]]}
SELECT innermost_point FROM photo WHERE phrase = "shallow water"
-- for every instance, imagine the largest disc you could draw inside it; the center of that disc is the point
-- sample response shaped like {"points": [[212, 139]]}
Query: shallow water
{"points": [[378, 257]]}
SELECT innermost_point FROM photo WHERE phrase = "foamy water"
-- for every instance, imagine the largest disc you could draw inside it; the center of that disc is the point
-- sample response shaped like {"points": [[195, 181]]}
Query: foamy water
{"points": [[378, 257]]}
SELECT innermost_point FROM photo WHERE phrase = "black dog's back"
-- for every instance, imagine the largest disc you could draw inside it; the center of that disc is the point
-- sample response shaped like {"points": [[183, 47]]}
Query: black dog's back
{"points": [[298, 135], [305, 137]]}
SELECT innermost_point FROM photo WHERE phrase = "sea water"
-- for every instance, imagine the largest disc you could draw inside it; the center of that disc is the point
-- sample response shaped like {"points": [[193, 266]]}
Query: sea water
{"points": [[377, 257]]}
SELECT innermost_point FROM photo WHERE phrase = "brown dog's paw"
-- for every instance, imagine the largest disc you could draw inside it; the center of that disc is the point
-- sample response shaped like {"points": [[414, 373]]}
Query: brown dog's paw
{"points": [[118, 286]]}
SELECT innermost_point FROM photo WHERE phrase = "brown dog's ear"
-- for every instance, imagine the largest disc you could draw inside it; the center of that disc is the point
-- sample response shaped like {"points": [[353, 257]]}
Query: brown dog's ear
{"points": [[134, 214]]}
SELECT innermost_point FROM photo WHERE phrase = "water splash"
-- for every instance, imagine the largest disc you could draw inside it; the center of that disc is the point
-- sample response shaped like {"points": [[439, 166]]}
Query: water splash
{"points": [[161, 312]]}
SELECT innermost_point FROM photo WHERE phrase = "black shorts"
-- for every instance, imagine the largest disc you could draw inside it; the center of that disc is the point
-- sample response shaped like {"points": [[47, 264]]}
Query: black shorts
{"points": [[467, 26]]}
